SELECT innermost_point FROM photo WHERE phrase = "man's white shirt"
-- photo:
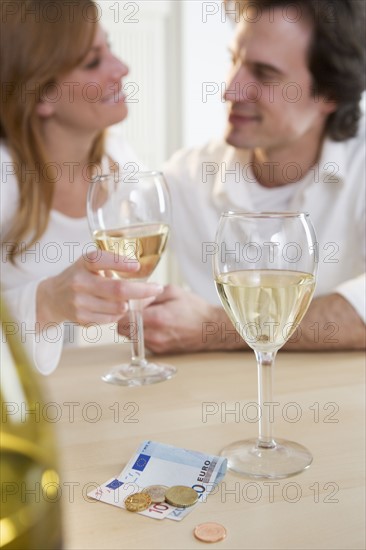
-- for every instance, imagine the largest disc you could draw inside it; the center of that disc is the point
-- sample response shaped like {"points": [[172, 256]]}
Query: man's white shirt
{"points": [[216, 178]]}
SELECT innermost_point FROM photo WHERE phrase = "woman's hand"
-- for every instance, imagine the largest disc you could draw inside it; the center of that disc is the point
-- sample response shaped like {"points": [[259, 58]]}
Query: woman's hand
{"points": [[81, 294]]}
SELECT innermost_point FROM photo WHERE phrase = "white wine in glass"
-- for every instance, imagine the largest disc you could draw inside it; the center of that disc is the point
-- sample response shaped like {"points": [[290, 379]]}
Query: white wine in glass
{"points": [[264, 269], [129, 215], [144, 242]]}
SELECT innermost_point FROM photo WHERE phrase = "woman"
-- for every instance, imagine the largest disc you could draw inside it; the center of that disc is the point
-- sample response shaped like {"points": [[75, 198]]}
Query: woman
{"points": [[62, 88]]}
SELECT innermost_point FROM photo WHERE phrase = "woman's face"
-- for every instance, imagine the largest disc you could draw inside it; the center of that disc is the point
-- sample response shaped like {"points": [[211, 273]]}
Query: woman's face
{"points": [[89, 98]]}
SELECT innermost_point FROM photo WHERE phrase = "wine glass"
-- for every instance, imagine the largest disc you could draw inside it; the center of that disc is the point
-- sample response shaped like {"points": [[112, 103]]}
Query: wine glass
{"points": [[129, 214], [264, 268]]}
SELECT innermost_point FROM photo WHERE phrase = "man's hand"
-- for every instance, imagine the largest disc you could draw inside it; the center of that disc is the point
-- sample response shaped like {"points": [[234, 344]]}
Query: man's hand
{"points": [[179, 321]]}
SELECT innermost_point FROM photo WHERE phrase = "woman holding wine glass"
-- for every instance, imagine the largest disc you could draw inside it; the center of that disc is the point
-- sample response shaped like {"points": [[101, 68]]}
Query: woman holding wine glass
{"points": [[62, 89]]}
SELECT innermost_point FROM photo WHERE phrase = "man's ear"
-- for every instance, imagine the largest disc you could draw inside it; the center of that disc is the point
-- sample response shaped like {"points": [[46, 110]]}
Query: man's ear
{"points": [[44, 108], [329, 105]]}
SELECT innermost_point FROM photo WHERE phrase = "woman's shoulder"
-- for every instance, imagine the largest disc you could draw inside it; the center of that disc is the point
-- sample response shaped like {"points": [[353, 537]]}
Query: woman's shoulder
{"points": [[9, 190], [5, 155]]}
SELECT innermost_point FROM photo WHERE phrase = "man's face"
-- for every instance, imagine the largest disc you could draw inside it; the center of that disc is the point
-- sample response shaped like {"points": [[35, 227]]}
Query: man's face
{"points": [[269, 89]]}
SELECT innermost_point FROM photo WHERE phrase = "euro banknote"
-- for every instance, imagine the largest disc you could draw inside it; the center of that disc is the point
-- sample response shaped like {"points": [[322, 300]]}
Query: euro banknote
{"points": [[160, 464]]}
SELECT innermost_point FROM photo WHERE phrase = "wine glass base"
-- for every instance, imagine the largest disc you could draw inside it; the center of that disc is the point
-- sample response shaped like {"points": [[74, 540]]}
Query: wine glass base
{"points": [[130, 375], [284, 459]]}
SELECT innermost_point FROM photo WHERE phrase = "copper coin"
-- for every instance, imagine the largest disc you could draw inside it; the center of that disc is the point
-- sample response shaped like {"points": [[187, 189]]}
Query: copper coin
{"points": [[181, 496], [137, 502], [210, 532], [156, 492]]}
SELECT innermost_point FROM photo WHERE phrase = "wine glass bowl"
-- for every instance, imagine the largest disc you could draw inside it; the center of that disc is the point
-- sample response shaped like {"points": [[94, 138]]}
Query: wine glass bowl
{"points": [[129, 215], [264, 270]]}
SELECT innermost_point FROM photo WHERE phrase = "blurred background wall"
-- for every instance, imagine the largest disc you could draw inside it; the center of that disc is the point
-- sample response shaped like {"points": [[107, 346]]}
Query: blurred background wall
{"points": [[178, 58], [177, 52]]}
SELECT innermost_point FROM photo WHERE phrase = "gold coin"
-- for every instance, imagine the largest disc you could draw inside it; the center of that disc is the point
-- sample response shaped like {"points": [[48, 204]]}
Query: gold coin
{"points": [[138, 502], [156, 492], [210, 532], [181, 496]]}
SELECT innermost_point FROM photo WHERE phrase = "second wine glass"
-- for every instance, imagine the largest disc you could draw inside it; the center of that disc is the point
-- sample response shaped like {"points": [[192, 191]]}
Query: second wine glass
{"points": [[264, 269], [129, 215]]}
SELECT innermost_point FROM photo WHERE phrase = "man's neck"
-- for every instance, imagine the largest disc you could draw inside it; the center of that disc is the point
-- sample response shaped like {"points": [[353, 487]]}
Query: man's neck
{"points": [[275, 168]]}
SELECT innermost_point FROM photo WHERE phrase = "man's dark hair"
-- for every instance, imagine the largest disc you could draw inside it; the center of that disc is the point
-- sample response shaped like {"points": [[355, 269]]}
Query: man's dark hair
{"points": [[337, 54]]}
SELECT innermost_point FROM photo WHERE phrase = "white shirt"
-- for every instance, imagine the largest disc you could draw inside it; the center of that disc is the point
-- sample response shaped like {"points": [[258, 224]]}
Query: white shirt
{"points": [[205, 182], [63, 242]]}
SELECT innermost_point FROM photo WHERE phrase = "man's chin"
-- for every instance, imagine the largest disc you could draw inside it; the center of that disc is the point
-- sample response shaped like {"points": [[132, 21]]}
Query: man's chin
{"points": [[233, 138]]}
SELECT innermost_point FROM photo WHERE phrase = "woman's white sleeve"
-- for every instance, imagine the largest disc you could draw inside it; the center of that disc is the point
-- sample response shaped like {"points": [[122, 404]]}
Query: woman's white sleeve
{"points": [[43, 347]]}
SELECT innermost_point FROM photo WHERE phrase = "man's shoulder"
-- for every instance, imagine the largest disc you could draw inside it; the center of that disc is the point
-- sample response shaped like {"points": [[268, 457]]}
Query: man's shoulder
{"points": [[345, 159], [356, 145]]}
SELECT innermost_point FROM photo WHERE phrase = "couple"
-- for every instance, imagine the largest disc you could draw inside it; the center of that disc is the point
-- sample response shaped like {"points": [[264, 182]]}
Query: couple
{"points": [[280, 152]]}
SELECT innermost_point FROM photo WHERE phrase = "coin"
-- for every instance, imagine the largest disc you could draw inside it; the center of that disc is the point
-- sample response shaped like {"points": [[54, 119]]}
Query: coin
{"points": [[181, 496], [138, 502], [210, 532], [156, 492]]}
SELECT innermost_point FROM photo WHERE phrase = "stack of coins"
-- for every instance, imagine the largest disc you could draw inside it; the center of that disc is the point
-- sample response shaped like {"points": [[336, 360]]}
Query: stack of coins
{"points": [[179, 496]]}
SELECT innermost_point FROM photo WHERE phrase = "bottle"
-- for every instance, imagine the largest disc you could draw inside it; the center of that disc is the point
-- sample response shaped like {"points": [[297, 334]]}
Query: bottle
{"points": [[30, 486]]}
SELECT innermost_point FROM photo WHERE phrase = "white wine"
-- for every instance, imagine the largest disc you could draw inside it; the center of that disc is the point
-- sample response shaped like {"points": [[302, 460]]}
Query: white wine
{"points": [[145, 243], [30, 487], [266, 306]]}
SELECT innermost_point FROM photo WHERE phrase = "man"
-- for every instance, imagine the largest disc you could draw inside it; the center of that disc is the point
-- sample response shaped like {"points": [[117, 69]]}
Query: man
{"points": [[293, 141]]}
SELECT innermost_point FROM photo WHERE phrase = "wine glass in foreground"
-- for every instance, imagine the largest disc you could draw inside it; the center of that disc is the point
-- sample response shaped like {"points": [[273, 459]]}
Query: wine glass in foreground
{"points": [[264, 269], [128, 214]]}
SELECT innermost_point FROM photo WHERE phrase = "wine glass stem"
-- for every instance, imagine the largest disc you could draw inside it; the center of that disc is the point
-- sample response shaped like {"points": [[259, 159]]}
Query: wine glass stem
{"points": [[137, 334], [265, 364]]}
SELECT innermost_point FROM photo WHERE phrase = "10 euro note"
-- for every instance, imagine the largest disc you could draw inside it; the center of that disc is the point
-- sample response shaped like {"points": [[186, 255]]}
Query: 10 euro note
{"points": [[160, 464]]}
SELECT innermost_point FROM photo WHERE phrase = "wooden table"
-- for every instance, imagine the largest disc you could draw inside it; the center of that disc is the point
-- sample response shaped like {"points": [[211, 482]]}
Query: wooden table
{"points": [[321, 400]]}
